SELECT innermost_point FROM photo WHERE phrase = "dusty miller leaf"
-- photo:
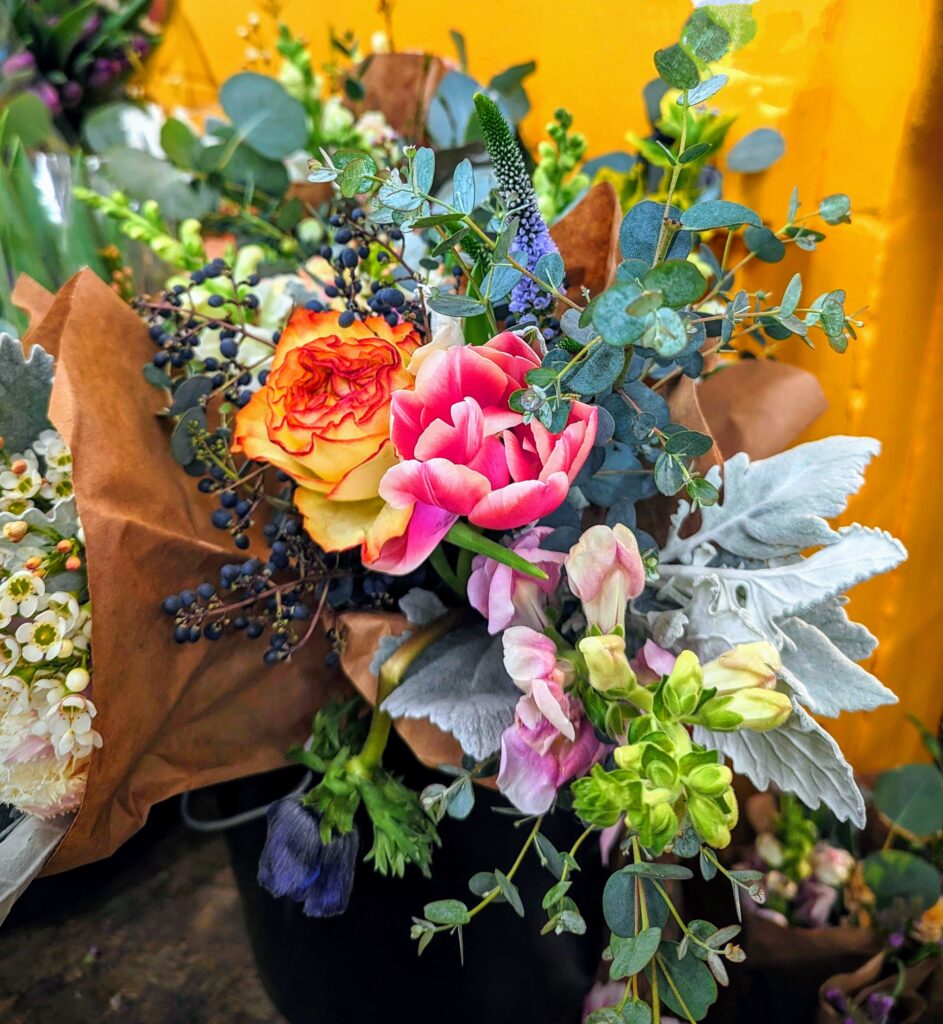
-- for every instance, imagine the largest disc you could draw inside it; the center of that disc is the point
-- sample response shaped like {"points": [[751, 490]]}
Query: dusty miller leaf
{"points": [[777, 506], [799, 757], [771, 592], [461, 686], [421, 607], [822, 677], [25, 386]]}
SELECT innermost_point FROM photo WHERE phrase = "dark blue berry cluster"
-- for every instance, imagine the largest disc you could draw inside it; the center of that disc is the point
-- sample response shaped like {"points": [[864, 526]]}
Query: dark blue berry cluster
{"points": [[177, 326]]}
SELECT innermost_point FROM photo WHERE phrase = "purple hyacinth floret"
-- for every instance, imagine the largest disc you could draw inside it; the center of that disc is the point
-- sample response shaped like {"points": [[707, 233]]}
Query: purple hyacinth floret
{"points": [[297, 864]]}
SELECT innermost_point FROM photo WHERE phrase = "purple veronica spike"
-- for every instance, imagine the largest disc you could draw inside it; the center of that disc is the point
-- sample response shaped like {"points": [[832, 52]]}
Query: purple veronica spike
{"points": [[533, 238]]}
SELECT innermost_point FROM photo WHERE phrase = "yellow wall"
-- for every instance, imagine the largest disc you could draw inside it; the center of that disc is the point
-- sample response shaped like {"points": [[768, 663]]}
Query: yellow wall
{"points": [[856, 88]]}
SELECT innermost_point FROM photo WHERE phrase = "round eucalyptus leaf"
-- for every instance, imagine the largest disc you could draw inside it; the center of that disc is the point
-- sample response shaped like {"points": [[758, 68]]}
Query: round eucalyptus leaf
{"points": [[765, 244], [757, 151], [912, 798], [270, 121], [897, 874], [678, 280]]}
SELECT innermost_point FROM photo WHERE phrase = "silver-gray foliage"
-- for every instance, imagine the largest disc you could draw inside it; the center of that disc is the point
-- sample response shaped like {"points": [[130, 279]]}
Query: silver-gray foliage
{"points": [[25, 386], [742, 577], [461, 686]]}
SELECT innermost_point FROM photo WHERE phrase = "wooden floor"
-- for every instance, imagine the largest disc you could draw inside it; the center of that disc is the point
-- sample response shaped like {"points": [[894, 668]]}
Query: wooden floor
{"points": [[152, 936]]}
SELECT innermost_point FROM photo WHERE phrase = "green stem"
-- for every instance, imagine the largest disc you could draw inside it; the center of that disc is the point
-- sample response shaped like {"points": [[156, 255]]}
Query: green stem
{"points": [[674, 988], [440, 563], [391, 675], [663, 237], [511, 872]]}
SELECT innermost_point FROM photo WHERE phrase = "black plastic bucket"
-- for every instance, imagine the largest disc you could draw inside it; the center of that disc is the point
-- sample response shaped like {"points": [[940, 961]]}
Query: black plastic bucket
{"points": [[364, 967]]}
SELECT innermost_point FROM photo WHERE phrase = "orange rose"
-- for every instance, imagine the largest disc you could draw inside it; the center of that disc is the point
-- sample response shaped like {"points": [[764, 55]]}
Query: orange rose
{"points": [[323, 417]]}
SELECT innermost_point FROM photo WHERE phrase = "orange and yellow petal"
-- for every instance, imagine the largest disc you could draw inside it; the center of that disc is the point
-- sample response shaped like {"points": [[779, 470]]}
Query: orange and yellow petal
{"points": [[363, 481], [340, 525]]}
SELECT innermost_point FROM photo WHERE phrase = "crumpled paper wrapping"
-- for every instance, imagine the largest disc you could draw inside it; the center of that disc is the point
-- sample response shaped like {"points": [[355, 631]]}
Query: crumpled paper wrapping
{"points": [[401, 86], [920, 997], [178, 717], [173, 717]]}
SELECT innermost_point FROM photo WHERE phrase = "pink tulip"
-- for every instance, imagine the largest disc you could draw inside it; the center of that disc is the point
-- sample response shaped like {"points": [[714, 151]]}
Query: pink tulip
{"points": [[536, 762], [507, 597], [530, 659], [605, 572], [466, 453]]}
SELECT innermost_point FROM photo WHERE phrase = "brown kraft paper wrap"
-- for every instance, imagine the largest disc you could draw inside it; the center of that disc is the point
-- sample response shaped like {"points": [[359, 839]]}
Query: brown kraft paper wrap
{"points": [[173, 717]]}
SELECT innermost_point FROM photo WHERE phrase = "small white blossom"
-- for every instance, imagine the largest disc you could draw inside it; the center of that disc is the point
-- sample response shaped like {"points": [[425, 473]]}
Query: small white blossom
{"points": [[14, 504], [43, 638], [57, 487], [14, 696], [69, 725], [21, 485], [55, 451], [9, 654], [21, 593], [66, 607]]}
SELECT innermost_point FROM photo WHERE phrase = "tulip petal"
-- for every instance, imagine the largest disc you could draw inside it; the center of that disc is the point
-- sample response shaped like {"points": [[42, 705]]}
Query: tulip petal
{"points": [[457, 439], [519, 503], [439, 482], [451, 376], [400, 555]]}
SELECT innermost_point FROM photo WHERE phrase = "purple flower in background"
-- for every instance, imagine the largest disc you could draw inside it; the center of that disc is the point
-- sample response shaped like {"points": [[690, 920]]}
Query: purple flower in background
{"points": [[71, 94], [879, 1007], [93, 24], [104, 73], [19, 64], [815, 902], [48, 95], [896, 940], [297, 864]]}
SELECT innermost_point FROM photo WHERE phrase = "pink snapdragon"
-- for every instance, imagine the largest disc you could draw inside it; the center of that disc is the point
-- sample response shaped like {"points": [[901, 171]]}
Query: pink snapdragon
{"points": [[651, 662], [537, 761], [530, 659], [507, 597], [465, 452], [605, 572]]}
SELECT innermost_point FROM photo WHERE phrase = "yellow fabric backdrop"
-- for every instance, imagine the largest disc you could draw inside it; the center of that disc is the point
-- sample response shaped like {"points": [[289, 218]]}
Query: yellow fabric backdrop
{"points": [[856, 87]]}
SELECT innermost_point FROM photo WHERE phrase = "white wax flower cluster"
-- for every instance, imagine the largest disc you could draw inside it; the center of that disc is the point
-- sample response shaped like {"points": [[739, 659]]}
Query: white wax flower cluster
{"points": [[46, 711]]}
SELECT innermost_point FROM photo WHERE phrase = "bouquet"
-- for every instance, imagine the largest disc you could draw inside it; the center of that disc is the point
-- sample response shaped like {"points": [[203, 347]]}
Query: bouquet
{"points": [[47, 733], [486, 458], [472, 469]]}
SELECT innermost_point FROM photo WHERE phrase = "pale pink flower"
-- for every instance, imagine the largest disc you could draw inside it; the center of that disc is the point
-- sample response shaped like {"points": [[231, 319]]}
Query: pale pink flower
{"points": [[605, 572], [652, 662], [507, 597], [831, 864], [536, 762], [531, 661]]}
